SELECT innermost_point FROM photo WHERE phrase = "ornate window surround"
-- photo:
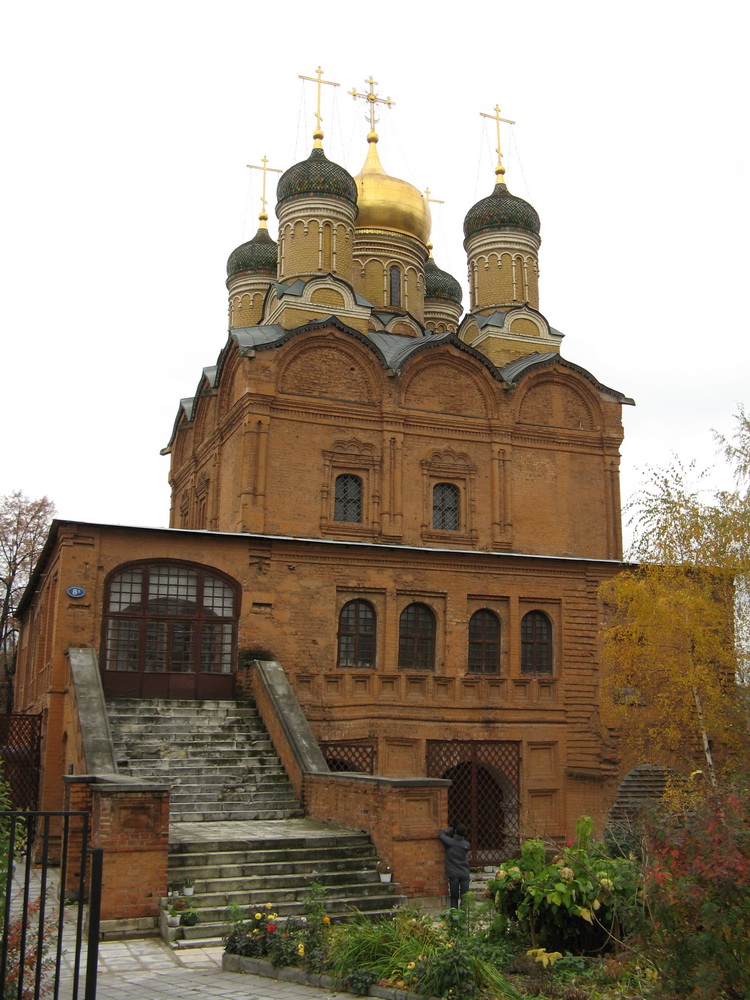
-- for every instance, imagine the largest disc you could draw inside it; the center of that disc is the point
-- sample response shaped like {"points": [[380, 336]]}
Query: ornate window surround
{"points": [[351, 457], [455, 469]]}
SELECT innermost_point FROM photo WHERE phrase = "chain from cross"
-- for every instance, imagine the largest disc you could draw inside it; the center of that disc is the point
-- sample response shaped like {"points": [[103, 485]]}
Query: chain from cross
{"points": [[372, 99], [318, 79], [499, 169], [265, 168]]}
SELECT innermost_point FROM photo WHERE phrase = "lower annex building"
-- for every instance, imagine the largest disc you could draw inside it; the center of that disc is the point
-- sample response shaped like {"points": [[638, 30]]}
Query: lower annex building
{"points": [[407, 507]]}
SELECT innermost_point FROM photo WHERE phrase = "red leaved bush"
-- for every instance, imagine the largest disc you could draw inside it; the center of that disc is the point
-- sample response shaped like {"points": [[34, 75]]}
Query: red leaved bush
{"points": [[698, 891]]}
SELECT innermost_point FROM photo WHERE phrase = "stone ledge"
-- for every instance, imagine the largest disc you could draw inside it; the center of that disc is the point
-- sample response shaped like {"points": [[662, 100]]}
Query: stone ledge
{"points": [[290, 974]]}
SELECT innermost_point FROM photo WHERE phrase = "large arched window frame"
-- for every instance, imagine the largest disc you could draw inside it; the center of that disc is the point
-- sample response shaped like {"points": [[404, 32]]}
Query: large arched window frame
{"points": [[416, 638], [169, 617], [536, 644], [357, 635], [484, 642]]}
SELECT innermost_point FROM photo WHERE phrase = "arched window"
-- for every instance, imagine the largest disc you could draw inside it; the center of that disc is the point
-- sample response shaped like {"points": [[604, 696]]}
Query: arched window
{"points": [[348, 499], [394, 283], [446, 507], [357, 622], [416, 638], [484, 643], [536, 643], [169, 618]]}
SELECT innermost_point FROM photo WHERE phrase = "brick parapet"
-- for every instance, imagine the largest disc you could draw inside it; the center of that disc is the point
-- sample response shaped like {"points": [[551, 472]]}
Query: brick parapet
{"points": [[402, 816]]}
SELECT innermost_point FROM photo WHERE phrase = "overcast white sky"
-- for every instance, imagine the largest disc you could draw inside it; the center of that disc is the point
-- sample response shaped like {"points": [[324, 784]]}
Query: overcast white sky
{"points": [[123, 188]]}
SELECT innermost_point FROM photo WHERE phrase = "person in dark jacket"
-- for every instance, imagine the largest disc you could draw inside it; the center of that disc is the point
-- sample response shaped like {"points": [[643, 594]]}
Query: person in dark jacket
{"points": [[456, 861]]}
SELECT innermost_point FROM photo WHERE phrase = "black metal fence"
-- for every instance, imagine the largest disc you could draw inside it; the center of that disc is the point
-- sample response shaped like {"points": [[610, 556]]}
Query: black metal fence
{"points": [[42, 935]]}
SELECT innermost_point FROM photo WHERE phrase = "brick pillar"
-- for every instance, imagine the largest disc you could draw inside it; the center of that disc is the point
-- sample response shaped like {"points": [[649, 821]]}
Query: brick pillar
{"points": [[130, 822]]}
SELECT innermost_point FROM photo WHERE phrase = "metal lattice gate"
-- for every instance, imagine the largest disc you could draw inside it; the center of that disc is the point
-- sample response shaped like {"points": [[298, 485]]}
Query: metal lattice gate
{"points": [[345, 756], [20, 742], [484, 794]]}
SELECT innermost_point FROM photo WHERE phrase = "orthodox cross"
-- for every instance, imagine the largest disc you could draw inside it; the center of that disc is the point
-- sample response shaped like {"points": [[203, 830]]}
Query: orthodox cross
{"points": [[499, 169], [372, 99], [265, 168], [318, 133], [434, 201]]}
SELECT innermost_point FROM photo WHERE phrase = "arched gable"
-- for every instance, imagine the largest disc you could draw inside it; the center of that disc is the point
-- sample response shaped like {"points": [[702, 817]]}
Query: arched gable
{"points": [[444, 383], [330, 365], [558, 399]]}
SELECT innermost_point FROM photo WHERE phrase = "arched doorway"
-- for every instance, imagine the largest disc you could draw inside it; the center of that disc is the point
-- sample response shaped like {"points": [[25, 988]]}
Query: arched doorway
{"points": [[484, 777]]}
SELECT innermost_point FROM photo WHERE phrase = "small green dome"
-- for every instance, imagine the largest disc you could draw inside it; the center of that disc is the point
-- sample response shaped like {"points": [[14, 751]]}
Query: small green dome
{"points": [[259, 256], [440, 285], [501, 210], [316, 175]]}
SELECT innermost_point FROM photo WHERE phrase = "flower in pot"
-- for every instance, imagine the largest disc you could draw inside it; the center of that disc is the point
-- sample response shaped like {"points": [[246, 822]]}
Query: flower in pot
{"points": [[385, 871], [173, 917], [188, 887]]}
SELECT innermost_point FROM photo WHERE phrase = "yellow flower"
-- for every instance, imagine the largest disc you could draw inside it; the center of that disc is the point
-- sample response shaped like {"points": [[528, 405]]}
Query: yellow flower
{"points": [[268, 906], [326, 920], [410, 965], [300, 949], [258, 916]]}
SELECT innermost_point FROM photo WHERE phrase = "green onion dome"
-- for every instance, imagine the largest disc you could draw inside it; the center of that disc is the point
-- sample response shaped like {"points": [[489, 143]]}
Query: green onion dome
{"points": [[501, 210], [317, 175], [439, 284], [259, 255]]}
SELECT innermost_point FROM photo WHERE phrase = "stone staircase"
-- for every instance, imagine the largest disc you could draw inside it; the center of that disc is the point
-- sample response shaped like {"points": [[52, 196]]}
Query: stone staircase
{"points": [[236, 830], [216, 755], [278, 870]]}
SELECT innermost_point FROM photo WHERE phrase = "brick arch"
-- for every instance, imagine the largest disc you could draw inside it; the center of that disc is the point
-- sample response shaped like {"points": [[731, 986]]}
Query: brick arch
{"points": [[447, 385], [558, 401], [328, 366]]}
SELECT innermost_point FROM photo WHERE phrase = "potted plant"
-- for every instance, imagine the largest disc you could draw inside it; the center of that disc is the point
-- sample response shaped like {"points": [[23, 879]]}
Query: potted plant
{"points": [[385, 871], [189, 917], [188, 888], [173, 917]]}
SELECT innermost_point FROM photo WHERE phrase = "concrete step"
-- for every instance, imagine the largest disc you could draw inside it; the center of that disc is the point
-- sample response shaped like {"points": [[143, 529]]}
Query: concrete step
{"points": [[216, 757], [234, 815]]}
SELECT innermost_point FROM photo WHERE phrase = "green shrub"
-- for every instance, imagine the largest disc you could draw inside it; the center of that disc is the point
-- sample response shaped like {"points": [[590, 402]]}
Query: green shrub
{"points": [[581, 901]]}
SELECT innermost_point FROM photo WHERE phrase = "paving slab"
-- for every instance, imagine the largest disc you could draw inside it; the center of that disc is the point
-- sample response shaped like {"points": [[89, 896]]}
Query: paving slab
{"points": [[146, 968]]}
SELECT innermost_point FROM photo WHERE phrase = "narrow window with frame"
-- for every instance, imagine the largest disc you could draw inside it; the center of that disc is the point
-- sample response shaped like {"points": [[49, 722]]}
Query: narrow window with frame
{"points": [[416, 638], [348, 499], [484, 642], [394, 286], [536, 643], [446, 507], [356, 637]]}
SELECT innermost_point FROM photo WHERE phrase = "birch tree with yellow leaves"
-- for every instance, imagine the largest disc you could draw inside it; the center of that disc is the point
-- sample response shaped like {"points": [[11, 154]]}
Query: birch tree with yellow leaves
{"points": [[677, 645]]}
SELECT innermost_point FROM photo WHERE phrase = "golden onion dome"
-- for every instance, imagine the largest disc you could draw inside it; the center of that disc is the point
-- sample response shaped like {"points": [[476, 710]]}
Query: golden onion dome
{"points": [[386, 202]]}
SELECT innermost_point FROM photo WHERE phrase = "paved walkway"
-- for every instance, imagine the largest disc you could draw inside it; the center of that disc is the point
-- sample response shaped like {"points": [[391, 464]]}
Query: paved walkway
{"points": [[146, 968]]}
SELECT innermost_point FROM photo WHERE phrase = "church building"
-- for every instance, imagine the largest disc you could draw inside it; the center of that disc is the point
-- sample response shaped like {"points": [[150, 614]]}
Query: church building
{"points": [[407, 506]]}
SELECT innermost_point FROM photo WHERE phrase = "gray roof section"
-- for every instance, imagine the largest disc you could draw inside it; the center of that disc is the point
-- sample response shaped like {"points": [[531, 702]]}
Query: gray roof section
{"points": [[257, 336], [516, 369]]}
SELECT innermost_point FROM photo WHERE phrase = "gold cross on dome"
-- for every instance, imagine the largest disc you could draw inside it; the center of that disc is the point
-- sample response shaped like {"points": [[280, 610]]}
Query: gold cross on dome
{"points": [[265, 168], [372, 99], [318, 78], [499, 169], [432, 201]]}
